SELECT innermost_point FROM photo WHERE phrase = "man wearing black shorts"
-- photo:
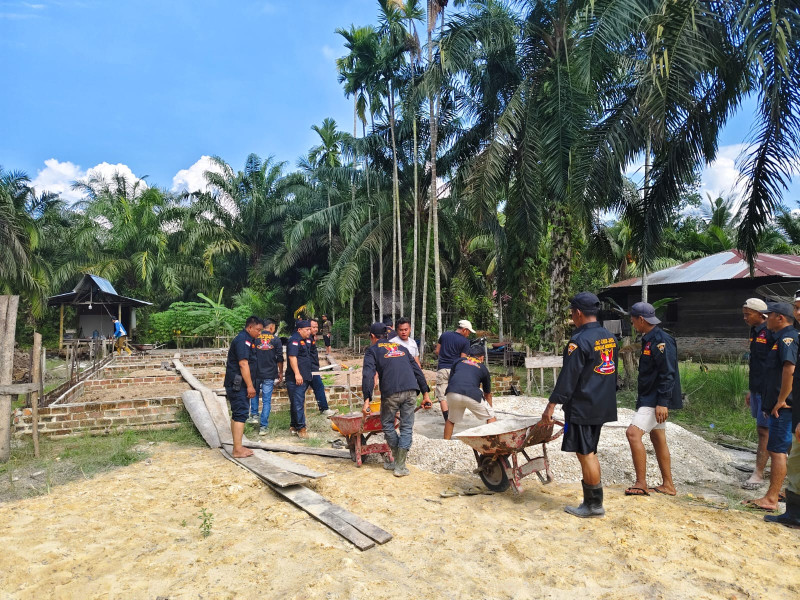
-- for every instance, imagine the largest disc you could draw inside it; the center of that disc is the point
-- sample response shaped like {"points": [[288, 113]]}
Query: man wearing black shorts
{"points": [[238, 382], [587, 387]]}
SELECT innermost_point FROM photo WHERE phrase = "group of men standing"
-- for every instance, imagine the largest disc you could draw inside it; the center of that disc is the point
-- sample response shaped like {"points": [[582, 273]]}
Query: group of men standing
{"points": [[255, 365], [774, 384]]}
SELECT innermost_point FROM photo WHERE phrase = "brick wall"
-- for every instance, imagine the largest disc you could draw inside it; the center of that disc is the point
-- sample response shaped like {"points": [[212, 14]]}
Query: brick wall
{"points": [[711, 349], [63, 420]]}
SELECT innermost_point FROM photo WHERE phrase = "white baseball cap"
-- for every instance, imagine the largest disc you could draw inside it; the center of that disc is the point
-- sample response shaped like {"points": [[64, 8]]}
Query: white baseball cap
{"points": [[756, 304], [464, 324]]}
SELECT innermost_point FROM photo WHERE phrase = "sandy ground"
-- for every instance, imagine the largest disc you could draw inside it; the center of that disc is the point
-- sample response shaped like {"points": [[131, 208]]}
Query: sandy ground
{"points": [[133, 533], [153, 390]]}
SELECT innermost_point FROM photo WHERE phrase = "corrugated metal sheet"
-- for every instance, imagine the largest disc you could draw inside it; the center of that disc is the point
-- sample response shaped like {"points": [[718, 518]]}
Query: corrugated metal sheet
{"points": [[103, 284], [722, 266]]}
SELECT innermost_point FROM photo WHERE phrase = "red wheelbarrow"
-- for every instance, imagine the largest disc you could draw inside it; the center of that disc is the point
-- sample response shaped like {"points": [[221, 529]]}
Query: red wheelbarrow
{"points": [[495, 443], [357, 428]]}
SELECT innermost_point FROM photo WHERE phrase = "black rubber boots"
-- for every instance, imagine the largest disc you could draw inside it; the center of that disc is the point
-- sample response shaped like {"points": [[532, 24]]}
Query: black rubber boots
{"points": [[592, 505]]}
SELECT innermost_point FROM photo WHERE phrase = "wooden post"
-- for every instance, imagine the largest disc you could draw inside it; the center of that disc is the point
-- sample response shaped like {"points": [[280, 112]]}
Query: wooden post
{"points": [[61, 328], [349, 395], [36, 377], [8, 328]]}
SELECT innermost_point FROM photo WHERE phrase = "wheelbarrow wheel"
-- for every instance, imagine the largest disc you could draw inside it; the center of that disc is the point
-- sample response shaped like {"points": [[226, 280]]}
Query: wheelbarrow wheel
{"points": [[493, 473]]}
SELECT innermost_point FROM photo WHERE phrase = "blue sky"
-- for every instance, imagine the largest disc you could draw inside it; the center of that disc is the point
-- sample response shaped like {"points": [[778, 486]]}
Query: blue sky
{"points": [[150, 87]]}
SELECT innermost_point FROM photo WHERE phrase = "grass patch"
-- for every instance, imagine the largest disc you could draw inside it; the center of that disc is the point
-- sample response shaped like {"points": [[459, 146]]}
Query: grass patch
{"points": [[84, 456]]}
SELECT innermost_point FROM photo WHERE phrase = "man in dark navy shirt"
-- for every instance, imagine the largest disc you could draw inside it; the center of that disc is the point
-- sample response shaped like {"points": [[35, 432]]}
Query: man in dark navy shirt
{"points": [[754, 313], [267, 367], [469, 387], [316, 380], [791, 518], [298, 376], [401, 380], [451, 346], [777, 397], [239, 385], [587, 387], [659, 392]]}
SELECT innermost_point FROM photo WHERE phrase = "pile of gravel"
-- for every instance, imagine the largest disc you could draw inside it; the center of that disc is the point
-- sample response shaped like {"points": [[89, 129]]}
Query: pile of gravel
{"points": [[694, 460]]}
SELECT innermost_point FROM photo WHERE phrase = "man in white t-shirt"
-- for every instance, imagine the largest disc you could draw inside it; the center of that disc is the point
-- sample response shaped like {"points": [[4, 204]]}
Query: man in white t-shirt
{"points": [[403, 337]]}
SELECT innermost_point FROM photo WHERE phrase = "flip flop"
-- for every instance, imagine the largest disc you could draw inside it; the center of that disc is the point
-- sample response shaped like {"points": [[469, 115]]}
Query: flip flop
{"points": [[636, 491], [752, 504], [658, 491]]}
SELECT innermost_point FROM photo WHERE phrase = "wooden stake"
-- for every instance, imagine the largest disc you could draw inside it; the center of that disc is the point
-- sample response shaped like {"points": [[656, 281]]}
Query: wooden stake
{"points": [[36, 377], [61, 329], [8, 328]]}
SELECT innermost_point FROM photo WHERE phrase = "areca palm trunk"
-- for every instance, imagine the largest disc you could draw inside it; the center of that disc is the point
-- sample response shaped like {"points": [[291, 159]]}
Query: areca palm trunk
{"points": [[416, 228], [423, 313], [396, 200], [648, 150], [561, 255], [434, 126]]}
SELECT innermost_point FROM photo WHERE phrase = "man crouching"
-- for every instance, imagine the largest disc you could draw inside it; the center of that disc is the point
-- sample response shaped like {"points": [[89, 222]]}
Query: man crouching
{"points": [[400, 380], [587, 387]]}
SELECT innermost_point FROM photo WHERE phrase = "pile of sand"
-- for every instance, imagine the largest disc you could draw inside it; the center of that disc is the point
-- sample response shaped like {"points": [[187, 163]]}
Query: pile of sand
{"points": [[134, 533]]}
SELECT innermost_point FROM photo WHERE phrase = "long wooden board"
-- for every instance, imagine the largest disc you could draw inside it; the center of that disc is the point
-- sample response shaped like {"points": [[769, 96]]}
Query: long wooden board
{"points": [[292, 449], [193, 401], [312, 503], [319, 508], [265, 469], [290, 465]]}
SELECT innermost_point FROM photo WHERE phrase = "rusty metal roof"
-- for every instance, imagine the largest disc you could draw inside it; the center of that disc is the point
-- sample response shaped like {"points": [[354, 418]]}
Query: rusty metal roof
{"points": [[718, 267]]}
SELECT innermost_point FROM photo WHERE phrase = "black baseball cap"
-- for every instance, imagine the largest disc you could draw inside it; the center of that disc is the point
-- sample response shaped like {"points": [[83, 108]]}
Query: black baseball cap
{"points": [[645, 310], [584, 301], [377, 329], [781, 308]]}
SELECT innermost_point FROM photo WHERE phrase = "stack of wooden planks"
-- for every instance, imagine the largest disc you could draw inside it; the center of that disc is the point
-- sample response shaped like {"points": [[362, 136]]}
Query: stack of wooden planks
{"points": [[210, 415]]}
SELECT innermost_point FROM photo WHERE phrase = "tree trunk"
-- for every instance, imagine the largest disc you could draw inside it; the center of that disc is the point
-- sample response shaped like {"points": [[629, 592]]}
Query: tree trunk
{"points": [[369, 217], [396, 200], [561, 255], [8, 328], [416, 231], [350, 335], [423, 315], [434, 126], [648, 151]]}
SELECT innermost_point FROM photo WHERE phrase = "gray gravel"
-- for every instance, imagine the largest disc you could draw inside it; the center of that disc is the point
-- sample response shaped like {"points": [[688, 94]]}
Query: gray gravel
{"points": [[694, 460]]}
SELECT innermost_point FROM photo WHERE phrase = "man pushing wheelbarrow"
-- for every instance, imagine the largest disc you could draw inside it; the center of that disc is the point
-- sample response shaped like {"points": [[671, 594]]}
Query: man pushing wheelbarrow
{"points": [[400, 380]]}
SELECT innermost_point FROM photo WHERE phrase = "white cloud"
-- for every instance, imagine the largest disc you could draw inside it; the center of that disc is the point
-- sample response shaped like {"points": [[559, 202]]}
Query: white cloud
{"points": [[193, 179], [57, 177], [721, 177], [329, 53]]}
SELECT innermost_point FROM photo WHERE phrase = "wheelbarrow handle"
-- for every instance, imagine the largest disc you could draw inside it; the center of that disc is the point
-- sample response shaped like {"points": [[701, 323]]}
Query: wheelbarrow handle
{"points": [[559, 434]]}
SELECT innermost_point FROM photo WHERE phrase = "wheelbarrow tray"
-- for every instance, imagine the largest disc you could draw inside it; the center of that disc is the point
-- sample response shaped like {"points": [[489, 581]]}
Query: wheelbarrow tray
{"points": [[507, 436], [355, 423]]}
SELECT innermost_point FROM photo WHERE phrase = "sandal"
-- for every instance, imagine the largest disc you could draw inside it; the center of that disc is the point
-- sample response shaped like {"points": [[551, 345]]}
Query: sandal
{"points": [[636, 491]]}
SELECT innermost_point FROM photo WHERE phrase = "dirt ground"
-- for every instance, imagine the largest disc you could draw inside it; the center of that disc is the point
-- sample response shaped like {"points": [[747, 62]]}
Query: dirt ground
{"points": [[132, 392], [134, 533]]}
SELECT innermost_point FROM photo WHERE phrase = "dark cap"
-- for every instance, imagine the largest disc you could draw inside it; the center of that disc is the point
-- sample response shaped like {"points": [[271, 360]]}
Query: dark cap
{"points": [[302, 323], [377, 329], [645, 310], [584, 301], [781, 308]]}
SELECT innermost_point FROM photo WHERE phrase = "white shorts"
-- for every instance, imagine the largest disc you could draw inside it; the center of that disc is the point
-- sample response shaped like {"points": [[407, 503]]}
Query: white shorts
{"points": [[442, 378], [645, 419], [457, 403]]}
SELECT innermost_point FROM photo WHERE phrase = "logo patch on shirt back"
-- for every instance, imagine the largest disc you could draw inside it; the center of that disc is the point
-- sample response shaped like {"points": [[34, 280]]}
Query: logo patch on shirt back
{"points": [[392, 350], [788, 341], [646, 349], [571, 348], [607, 366], [264, 341], [661, 347]]}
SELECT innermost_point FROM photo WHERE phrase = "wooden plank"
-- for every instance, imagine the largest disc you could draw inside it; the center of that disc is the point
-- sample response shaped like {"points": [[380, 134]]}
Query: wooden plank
{"points": [[376, 533], [292, 449], [216, 407], [265, 469], [543, 362], [324, 511], [36, 379], [193, 401], [290, 465], [317, 507]]}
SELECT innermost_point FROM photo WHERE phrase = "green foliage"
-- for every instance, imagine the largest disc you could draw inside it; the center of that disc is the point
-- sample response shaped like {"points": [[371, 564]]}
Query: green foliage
{"points": [[206, 522]]}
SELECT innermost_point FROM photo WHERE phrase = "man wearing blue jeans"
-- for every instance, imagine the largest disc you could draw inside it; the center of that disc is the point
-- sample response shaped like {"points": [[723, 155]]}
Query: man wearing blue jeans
{"points": [[316, 381], [777, 398], [268, 366], [401, 380], [298, 376], [754, 314]]}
